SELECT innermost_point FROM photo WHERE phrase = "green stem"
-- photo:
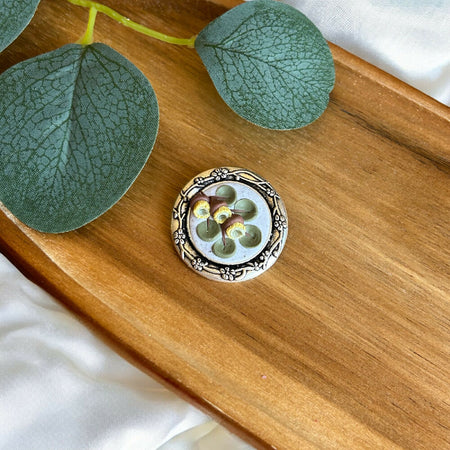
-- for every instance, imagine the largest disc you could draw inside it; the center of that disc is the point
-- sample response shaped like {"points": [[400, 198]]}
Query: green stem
{"points": [[88, 36], [94, 6]]}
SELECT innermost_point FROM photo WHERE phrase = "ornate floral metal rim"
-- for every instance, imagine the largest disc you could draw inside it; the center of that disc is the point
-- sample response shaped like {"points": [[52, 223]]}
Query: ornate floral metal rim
{"points": [[229, 272]]}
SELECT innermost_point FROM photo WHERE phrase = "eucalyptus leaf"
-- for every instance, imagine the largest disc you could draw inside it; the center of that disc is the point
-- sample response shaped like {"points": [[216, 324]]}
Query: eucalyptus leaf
{"points": [[269, 63], [15, 15], [76, 127]]}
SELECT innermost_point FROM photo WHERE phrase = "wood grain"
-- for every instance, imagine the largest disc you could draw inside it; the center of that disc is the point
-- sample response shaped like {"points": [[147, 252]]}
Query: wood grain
{"points": [[345, 342]]}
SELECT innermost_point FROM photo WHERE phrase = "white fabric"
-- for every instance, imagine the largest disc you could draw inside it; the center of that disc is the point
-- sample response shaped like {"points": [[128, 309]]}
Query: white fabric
{"points": [[62, 388]]}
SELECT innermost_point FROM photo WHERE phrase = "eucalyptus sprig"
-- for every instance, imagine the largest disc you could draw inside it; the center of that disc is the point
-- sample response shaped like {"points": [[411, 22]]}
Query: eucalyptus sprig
{"points": [[78, 124]]}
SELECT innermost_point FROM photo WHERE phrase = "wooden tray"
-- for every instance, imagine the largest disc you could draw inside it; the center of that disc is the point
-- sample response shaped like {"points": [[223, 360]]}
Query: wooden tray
{"points": [[344, 342]]}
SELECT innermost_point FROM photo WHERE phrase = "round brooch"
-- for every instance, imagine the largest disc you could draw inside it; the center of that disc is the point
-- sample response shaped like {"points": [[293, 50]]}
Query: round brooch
{"points": [[229, 224]]}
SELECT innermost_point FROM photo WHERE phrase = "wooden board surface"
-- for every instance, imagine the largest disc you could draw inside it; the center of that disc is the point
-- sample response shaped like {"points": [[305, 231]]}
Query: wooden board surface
{"points": [[345, 341]]}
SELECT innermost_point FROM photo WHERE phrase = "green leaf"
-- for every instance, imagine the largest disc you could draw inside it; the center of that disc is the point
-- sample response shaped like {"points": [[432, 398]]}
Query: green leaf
{"points": [[76, 127], [15, 15], [269, 63]]}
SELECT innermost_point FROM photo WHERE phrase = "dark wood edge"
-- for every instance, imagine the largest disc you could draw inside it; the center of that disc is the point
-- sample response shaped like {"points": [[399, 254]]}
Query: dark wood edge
{"points": [[440, 112]]}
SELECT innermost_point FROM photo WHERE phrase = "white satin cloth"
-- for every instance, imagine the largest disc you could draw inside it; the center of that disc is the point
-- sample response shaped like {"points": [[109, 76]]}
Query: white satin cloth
{"points": [[62, 388]]}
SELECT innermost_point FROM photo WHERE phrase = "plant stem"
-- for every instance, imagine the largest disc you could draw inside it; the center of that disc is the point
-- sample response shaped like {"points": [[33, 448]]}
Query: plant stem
{"points": [[94, 6], [88, 36]]}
